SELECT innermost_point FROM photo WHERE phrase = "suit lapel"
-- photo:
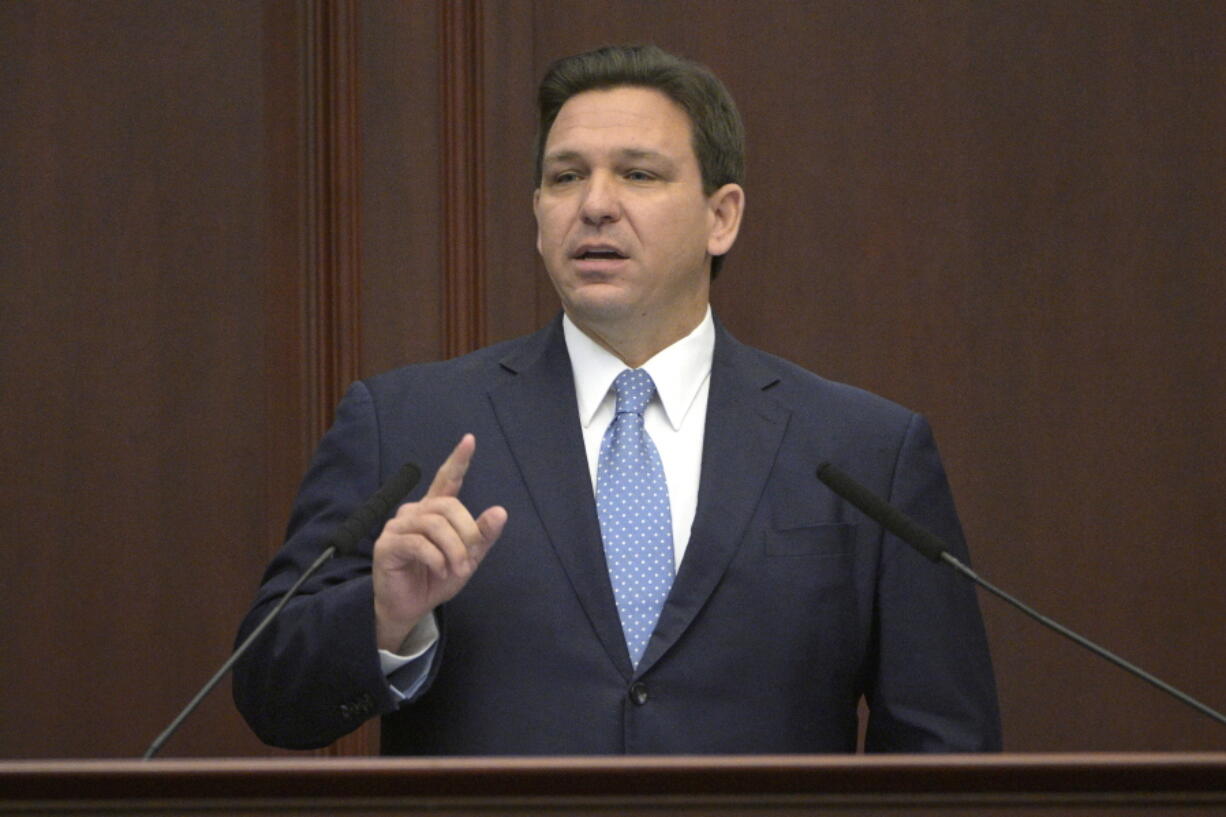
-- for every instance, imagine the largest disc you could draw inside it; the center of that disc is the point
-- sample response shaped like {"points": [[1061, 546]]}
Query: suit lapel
{"points": [[540, 422], [743, 433]]}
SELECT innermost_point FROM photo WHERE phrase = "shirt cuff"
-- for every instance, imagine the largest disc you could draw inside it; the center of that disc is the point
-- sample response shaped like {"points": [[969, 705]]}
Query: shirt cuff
{"points": [[406, 670], [420, 638]]}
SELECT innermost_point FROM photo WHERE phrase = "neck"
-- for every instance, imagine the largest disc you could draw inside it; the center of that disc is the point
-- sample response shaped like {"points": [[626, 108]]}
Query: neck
{"points": [[636, 344]]}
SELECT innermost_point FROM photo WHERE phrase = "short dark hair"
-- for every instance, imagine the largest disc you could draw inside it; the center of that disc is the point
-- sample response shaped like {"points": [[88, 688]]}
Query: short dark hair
{"points": [[718, 135]]}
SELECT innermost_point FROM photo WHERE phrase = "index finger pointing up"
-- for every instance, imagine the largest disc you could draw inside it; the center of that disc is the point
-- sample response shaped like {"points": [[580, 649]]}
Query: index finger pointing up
{"points": [[451, 473]]}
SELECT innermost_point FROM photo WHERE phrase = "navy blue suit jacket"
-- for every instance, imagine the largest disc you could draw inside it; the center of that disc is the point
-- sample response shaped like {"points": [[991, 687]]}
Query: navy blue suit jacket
{"points": [[788, 607]]}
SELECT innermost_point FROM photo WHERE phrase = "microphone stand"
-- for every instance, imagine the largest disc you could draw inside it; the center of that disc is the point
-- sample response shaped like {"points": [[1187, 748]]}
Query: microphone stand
{"points": [[934, 548], [343, 541], [161, 739]]}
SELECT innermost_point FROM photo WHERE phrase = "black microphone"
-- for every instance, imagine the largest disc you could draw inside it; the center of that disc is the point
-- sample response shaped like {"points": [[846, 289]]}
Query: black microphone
{"points": [[935, 548], [343, 542], [351, 531]]}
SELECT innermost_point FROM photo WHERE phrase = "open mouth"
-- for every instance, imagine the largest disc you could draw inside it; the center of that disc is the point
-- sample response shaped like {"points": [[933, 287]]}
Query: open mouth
{"points": [[599, 255]]}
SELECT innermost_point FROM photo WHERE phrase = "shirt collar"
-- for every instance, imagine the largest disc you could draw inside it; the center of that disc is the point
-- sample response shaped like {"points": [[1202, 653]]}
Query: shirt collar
{"points": [[678, 370]]}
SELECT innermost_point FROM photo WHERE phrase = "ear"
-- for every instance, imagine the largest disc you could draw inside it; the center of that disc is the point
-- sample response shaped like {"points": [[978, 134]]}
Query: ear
{"points": [[726, 206], [536, 212]]}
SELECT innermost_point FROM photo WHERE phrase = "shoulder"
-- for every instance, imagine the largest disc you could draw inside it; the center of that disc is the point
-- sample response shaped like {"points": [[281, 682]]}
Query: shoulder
{"points": [[807, 394], [460, 376]]}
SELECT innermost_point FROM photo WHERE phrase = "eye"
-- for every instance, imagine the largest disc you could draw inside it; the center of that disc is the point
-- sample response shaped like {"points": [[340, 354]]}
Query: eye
{"points": [[565, 177], [639, 176]]}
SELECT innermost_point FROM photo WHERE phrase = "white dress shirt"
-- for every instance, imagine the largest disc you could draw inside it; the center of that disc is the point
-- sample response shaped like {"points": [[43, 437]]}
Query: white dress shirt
{"points": [[675, 419]]}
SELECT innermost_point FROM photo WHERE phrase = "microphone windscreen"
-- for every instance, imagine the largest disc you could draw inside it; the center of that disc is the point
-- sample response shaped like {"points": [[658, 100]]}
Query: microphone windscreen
{"points": [[881, 512], [355, 527]]}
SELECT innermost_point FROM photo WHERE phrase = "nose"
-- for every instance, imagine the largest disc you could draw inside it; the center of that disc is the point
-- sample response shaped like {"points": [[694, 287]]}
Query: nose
{"points": [[600, 201]]}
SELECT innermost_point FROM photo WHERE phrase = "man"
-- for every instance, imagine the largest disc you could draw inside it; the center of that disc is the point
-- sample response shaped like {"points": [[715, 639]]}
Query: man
{"points": [[513, 608]]}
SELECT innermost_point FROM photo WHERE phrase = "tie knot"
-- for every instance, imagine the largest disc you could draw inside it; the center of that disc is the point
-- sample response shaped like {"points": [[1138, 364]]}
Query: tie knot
{"points": [[634, 389]]}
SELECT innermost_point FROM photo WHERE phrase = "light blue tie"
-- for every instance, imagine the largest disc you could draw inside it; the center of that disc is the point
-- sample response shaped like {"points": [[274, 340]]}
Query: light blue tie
{"points": [[635, 520]]}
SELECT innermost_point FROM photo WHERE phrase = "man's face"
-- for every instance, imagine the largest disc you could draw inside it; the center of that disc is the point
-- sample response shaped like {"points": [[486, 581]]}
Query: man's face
{"points": [[623, 226]]}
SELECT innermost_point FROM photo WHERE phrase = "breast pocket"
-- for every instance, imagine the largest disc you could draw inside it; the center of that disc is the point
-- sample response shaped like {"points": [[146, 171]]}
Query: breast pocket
{"points": [[823, 539]]}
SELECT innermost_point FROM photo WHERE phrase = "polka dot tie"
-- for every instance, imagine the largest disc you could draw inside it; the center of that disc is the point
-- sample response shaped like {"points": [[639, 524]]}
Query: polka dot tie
{"points": [[635, 519]]}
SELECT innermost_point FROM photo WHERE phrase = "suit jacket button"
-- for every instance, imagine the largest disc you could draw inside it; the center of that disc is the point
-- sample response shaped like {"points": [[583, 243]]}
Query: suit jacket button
{"points": [[638, 692]]}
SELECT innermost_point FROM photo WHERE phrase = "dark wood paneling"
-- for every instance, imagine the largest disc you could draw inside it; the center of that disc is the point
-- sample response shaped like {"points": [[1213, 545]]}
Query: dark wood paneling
{"points": [[519, 297], [462, 157], [402, 281], [1097, 221], [332, 155], [287, 250], [183, 281], [132, 367]]}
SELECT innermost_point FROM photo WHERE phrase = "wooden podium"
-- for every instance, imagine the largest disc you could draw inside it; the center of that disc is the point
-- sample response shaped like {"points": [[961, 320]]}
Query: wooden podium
{"points": [[1074, 784]]}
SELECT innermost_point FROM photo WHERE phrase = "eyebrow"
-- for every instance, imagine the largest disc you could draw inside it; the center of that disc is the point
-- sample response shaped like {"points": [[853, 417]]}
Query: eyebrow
{"points": [[638, 153], [624, 153]]}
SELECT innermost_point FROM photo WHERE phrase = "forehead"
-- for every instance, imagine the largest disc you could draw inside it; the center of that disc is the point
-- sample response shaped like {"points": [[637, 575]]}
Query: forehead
{"points": [[620, 118]]}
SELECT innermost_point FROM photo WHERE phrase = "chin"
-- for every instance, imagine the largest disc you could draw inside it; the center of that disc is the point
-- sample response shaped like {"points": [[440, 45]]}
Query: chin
{"points": [[599, 307]]}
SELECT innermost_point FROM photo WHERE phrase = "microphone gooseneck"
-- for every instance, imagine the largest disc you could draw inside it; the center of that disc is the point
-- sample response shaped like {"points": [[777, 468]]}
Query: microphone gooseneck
{"points": [[935, 548], [343, 543]]}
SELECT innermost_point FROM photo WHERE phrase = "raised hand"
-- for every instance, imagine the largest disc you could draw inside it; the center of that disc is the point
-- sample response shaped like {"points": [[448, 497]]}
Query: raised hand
{"points": [[429, 549]]}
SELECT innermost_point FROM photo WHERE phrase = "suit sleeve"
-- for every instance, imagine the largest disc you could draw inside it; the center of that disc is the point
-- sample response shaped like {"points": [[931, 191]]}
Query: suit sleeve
{"points": [[931, 687], [315, 674]]}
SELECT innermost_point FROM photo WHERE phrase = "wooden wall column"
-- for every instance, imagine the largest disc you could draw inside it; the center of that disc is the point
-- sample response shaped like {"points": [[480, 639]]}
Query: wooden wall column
{"points": [[332, 266], [463, 185]]}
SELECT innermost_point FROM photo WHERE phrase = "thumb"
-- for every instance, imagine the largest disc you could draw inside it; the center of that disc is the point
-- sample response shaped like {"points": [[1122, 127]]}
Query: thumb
{"points": [[490, 523]]}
